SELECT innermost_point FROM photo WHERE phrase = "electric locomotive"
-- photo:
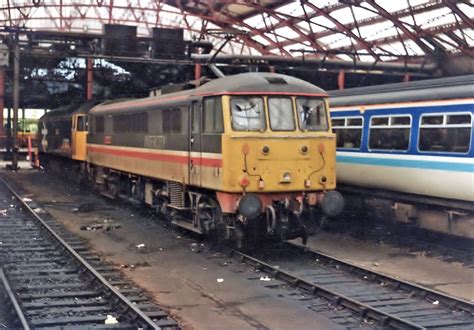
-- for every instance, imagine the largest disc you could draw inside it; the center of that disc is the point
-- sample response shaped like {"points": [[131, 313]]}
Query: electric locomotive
{"points": [[243, 157], [62, 135]]}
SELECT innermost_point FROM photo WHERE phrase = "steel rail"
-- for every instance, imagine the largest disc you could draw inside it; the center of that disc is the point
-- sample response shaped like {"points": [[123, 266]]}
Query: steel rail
{"points": [[385, 319], [16, 305], [147, 322], [427, 293]]}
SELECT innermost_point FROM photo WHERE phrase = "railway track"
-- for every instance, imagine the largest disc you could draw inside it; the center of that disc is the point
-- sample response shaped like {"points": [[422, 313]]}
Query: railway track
{"points": [[380, 299], [53, 280]]}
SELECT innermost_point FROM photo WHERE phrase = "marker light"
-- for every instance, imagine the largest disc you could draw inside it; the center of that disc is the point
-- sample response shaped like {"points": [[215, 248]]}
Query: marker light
{"points": [[244, 181], [245, 148], [321, 148]]}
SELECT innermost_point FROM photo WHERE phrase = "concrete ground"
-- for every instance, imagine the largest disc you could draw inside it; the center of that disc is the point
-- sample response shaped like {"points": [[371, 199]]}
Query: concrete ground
{"points": [[452, 278], [202, 290], [189, 284]]}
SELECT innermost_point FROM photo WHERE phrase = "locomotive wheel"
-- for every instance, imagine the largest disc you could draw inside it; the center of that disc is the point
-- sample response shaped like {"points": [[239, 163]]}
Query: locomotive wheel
{"points": [[163, 210], [209, 214], [249, 237], [239, 235], [313, 221]]}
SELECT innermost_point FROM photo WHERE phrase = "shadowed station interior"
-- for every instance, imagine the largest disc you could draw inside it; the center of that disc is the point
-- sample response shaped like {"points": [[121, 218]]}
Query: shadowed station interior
{"points": [[264, 164]]}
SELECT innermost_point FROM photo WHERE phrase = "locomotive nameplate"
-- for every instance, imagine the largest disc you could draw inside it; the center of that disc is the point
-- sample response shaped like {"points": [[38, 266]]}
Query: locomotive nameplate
{"points": [[154, 141]]}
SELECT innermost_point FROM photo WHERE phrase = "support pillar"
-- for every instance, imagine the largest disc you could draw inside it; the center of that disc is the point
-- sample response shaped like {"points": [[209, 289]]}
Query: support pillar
{"points": [[16, 101], [3, 135], [2, 98], [90, 79], [197, 73], [341, 79]]}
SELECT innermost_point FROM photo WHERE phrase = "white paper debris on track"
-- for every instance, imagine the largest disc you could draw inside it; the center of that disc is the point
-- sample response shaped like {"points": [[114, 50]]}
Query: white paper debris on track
{"points": [[111, 320]]}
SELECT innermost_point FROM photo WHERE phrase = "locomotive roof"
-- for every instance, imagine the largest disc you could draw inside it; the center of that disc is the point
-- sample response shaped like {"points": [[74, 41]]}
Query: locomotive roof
{"points": [[244, 83], [67, 110], [259, 83], [424, 90]]}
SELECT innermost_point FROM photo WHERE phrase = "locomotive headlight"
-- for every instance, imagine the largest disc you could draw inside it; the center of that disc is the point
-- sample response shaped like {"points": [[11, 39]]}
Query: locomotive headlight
{"points": [[265, 150], [286, 177]]}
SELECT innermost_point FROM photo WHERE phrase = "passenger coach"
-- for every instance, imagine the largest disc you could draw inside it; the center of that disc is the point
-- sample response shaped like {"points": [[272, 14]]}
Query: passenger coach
{"points": [[413, 139]]}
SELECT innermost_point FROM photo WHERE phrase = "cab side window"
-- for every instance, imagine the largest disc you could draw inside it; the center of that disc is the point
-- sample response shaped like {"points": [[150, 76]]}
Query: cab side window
{"points": [[212, 121], [81, 123], [445, 132]]}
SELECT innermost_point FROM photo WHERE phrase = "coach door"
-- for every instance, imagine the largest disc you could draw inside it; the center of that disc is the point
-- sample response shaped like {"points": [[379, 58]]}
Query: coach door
{"points": [[195, 155]]}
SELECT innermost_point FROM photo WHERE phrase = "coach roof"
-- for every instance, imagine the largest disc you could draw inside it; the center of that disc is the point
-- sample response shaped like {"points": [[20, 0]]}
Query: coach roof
{"points": [[245, 83], [424, 90]]}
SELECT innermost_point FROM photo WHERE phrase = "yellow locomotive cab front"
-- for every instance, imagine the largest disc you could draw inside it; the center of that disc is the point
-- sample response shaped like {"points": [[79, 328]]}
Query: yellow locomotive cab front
{"points": [[281, 150], [263, 155]]}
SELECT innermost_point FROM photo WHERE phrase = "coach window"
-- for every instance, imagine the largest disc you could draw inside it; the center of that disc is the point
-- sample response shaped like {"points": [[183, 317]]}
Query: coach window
{"points": [[248, 114], [445, 133], [281, 114], [311, 114], [212, 115], [390, 133], [348, 132]]}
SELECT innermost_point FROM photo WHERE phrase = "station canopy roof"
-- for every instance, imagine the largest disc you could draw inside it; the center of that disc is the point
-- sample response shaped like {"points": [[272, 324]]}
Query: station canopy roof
{"points": [[369, 30]]}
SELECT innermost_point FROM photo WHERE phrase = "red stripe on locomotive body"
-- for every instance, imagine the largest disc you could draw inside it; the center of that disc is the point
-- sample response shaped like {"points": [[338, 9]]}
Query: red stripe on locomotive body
{"points": [[210, 162]]}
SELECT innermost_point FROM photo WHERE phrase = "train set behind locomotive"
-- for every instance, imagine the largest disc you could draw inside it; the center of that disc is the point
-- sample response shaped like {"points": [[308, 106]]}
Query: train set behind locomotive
{"points": [[244, 157], [410, 144]]}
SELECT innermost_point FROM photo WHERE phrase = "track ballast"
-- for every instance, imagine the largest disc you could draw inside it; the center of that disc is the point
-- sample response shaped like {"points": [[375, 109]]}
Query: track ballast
{"points": [[57, 282], [380, 299]]}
